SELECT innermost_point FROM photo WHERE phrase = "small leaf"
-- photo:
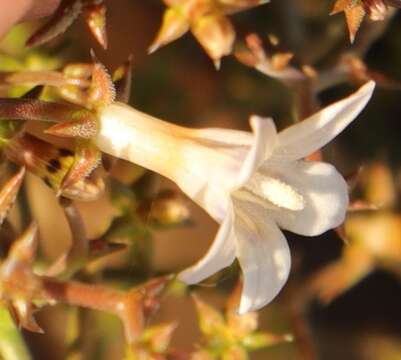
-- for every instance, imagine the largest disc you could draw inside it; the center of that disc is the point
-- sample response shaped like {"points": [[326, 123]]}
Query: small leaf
{"points": [[262, 340], [122, 79], [354, 17], [174, 25], [234, 353], [32, 109], [85, 126], [12, 343], [233, 6], [159, 337], [40, 158], [240, 325], [94, 13], [101, 91], [19, 285], [23, 250], [102, 247], [216, 35], [87, 158], [211, 322], [23, 314], [139, 304]]}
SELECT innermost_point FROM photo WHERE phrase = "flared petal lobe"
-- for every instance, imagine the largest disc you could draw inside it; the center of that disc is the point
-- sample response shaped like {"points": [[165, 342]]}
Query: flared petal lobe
{"points": [[263, 254], [220, 255], [324, 192], [264, 142], [313, 133]]}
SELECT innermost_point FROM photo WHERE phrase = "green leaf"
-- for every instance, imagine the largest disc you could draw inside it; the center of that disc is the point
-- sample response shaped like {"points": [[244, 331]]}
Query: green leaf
{"points": [[12, 345]]}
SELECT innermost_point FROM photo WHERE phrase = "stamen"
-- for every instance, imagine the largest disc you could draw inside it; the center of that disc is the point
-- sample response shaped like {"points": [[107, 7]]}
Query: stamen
{"points": [[276, 191]]}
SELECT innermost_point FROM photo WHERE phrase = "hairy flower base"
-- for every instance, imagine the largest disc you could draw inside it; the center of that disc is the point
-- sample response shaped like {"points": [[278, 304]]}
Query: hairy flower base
{"points": [[252, 184]]}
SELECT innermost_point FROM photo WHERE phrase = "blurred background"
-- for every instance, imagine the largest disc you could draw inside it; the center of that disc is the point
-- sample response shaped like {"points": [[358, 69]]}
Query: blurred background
{"points": [[343, 298]]}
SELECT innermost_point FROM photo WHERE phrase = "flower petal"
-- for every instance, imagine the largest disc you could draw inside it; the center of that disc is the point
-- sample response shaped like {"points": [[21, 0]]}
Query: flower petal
{"points": [[265, 138], [222, 161], [325, 196], [311, 134], [220, 255], [263, 254]]}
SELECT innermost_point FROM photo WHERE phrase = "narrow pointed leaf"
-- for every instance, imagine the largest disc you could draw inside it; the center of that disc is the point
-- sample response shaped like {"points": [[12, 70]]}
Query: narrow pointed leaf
{"points": [[87, 158], [8, 193], [32, 109], [122, 79], [174, 25], [23, 314], [24, 248], [101, 91], [40, 158], [211, 322], [95, 16], [85, 127], [64, 16]]}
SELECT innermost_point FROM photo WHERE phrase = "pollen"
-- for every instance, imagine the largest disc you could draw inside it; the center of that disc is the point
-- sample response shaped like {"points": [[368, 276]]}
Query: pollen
{"points": [[276, 191]]}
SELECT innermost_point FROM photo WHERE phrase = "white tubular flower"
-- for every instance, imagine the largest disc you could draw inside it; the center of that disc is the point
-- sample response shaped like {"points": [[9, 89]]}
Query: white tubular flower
{"points": [[252, 184]]}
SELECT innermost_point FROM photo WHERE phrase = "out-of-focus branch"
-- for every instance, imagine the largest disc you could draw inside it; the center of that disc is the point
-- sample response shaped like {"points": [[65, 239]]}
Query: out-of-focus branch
{"points": [[131, 307], [77, 255]]}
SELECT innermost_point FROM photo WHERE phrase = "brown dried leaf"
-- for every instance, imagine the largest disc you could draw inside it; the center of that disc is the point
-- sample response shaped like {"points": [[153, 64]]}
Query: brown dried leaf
{"points": [[64, 16]]}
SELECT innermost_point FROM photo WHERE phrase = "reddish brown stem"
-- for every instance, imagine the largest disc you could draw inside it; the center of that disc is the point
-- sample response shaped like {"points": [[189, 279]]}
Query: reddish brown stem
{"points": [[83, 295], [127, 306]]}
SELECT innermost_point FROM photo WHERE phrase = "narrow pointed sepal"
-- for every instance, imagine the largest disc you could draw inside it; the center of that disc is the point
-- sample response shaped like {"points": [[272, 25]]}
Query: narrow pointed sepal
{"points": [[94, 13], [83, 128], [8, 193]]}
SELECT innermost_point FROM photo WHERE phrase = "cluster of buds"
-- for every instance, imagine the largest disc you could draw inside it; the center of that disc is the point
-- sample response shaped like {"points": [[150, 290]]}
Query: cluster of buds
{"points": [[207, 21], [231, 336]]}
